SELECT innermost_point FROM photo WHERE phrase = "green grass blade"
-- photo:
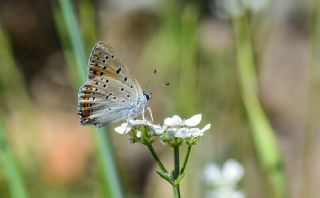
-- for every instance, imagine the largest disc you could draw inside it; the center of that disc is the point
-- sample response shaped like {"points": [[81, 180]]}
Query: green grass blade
{"points": [[263, 135], [10, 86], [106, 159], [74, 36], [9, 167]]}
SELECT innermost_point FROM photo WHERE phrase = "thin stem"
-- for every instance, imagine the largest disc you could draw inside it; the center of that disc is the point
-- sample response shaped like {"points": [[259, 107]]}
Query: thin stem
{"points": [[176, 191], [176, 172], [186, 159], [176, 162], [155, 156]]}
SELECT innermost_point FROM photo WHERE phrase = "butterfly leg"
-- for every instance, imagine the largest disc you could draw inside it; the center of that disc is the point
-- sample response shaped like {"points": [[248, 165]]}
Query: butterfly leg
{"points": [[150, 112], [127, 123], [142, 113]]}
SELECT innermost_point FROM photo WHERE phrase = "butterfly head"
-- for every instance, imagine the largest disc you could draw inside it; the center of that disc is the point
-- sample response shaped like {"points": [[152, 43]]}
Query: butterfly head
{"points": [[147, 94]]}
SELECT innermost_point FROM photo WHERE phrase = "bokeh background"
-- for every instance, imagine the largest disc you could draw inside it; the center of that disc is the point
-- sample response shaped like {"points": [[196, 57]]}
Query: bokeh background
{"points": [[251, 67]]}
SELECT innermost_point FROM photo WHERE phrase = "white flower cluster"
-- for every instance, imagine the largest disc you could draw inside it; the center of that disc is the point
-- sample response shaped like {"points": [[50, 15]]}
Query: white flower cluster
{"points": [[174, 131], [222, 182]]}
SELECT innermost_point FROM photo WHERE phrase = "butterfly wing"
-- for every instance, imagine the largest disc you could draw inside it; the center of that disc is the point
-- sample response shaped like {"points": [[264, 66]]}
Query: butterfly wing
{"points": [[110, 91], [105, 62]]}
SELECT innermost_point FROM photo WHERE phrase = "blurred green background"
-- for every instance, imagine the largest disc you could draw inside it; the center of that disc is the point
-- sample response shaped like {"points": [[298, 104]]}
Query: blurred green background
{"points": [[251, 67]]}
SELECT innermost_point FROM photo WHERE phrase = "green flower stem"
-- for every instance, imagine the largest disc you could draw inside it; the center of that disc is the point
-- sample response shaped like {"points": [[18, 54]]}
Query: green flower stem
{"points": [[176, 162], [176, 172], [176, 191], [155, 156], [186, 160]]}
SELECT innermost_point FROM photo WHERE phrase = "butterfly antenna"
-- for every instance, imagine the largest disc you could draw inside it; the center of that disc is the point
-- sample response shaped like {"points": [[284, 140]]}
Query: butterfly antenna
{"points": [[151, 78]]}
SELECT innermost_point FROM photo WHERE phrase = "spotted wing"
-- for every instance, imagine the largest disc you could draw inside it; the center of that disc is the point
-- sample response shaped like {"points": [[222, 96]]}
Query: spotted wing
{"points": [[104, 62], [101, 101], [110, 91]]}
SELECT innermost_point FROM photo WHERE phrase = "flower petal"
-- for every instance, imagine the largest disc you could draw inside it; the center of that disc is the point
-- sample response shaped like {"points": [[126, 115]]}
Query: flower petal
{"points": [[182, 133], [173, 121], [123, 128], [158, 130], [193, 121], [206, 128], [195, 132], [171, 133]]}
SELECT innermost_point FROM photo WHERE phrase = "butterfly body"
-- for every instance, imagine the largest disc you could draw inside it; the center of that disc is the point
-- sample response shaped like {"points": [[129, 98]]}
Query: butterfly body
{"points": [[111, 93]]}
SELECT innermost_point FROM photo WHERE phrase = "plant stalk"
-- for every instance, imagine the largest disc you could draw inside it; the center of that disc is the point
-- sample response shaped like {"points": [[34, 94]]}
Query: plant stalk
{"points": [[155, 157], [176, 171], [186, 159]]}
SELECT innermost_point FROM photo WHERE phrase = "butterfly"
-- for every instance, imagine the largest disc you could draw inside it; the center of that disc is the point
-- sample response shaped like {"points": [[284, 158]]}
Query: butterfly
{"points": [[110, 93]]}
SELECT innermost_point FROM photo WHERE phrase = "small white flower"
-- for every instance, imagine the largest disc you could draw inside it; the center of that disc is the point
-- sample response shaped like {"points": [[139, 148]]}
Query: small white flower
{"points": [[171, 132], [191, 132], [158, 130], [211, 173], [223, 181], [232, 171], [229, 175], [182, 133], [174, 131], [176, 120]]}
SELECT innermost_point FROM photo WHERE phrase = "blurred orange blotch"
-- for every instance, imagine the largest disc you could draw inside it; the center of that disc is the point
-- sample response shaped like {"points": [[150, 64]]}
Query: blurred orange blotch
{"points": [[65, 152]]}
